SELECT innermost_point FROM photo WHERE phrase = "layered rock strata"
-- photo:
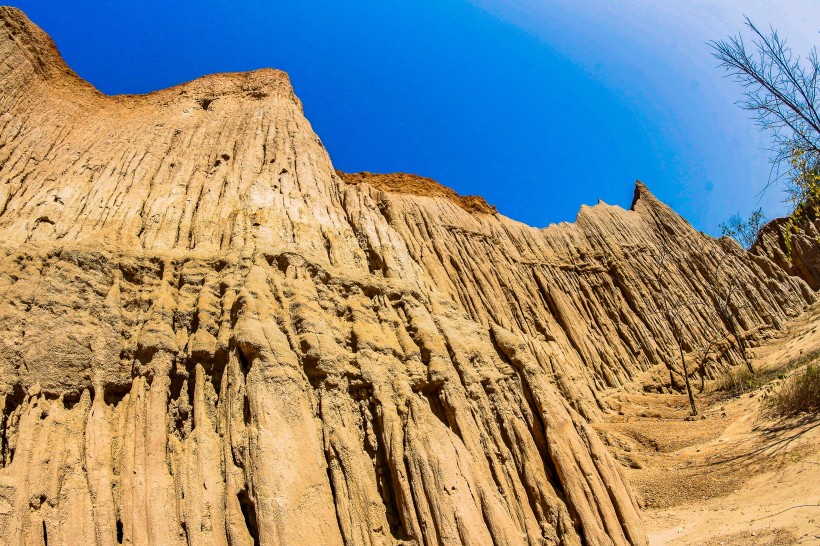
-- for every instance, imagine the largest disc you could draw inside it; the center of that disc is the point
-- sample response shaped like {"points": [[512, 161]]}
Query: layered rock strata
{"points": [[208, 336], [801, 257]]}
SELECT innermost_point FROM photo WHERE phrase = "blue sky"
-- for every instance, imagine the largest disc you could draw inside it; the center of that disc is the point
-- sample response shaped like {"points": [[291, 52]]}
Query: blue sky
{"points": [[539, 106]]}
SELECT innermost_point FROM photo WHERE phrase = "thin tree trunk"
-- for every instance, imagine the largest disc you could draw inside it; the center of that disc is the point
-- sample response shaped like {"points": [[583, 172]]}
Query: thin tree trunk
{"points": [[686, 379], [741, 345]]}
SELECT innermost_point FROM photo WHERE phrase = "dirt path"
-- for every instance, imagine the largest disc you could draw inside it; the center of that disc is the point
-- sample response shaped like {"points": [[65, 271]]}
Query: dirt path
{"points": [[734, 477]]}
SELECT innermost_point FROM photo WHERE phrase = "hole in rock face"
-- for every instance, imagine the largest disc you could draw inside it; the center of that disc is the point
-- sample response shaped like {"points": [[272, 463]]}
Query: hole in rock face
{"points": [[8, 421], [244, 363], [246, 410], [113, 393], [245, 367], [70, 400], [119, 532], [249, 513], [226, 157], [220, 361], [205, 103], [436, 406], [374, 262]]}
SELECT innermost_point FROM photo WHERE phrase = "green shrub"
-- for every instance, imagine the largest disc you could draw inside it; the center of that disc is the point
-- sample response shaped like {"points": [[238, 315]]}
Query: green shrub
{"points": [[800, 393]]}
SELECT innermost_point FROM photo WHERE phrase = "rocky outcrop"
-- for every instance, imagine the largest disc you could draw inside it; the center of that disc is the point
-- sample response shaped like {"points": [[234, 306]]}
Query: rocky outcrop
{"points": [[418, 185], [802, 256], [208, 337]]}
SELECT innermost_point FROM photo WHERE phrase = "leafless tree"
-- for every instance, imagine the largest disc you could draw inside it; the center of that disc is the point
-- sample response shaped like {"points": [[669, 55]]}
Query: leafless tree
{"points": [[781, 90], [721, 307], [724, 309], [672, 309]]}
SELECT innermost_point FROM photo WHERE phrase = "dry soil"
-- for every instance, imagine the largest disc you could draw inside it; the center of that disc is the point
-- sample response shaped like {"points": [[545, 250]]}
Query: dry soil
{"points": [[735, 476]]}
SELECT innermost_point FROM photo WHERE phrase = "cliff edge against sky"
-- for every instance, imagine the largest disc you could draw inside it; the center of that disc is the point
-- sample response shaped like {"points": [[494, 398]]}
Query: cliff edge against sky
{"points": [[209, 336]]}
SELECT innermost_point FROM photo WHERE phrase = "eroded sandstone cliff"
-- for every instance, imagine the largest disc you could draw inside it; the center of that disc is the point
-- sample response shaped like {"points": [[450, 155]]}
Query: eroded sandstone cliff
{"points": [[801, 257], [208, 336]]}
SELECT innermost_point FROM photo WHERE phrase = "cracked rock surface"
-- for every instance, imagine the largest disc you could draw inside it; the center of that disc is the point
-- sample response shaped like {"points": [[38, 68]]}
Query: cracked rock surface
{"points": [[209, 336]]}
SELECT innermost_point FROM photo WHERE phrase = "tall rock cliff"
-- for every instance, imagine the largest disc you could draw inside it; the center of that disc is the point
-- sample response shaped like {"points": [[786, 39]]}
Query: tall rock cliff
{"points": [[209, 336], [801, 256]]}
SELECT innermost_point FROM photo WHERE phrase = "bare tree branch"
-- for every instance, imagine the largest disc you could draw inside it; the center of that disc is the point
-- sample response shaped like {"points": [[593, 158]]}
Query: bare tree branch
{"points": [[781, 88]]}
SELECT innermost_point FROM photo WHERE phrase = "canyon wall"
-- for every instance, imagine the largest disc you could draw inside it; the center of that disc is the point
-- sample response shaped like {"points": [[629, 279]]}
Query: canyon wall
{"points": [[801, 257], [210, 336]]}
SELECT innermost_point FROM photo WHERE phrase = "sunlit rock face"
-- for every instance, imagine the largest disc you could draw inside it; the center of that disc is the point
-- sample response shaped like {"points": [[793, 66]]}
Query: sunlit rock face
{"points": [[208, 336], [800, 256]]}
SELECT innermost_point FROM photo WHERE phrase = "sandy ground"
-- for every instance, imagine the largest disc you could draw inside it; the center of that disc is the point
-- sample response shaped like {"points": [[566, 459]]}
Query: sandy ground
{"points": [[733, 477]]}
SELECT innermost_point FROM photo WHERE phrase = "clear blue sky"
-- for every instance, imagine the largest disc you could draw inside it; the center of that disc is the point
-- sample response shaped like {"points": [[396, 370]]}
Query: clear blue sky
{"points": [[540, 106]]}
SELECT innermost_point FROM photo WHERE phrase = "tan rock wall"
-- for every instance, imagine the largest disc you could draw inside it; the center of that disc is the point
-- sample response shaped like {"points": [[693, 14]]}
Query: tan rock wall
{"points": [[207, 337], [804, 259]]}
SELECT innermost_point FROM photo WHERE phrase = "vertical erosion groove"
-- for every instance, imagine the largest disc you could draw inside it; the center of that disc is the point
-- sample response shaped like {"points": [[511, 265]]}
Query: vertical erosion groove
{"points": [[333, 492], [384, 477], [538, 431], [249, 513], [134, 240]]}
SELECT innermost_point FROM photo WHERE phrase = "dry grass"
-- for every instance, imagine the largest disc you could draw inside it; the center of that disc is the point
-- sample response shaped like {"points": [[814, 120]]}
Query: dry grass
{"points": [[741, 380], [800, 393]]}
